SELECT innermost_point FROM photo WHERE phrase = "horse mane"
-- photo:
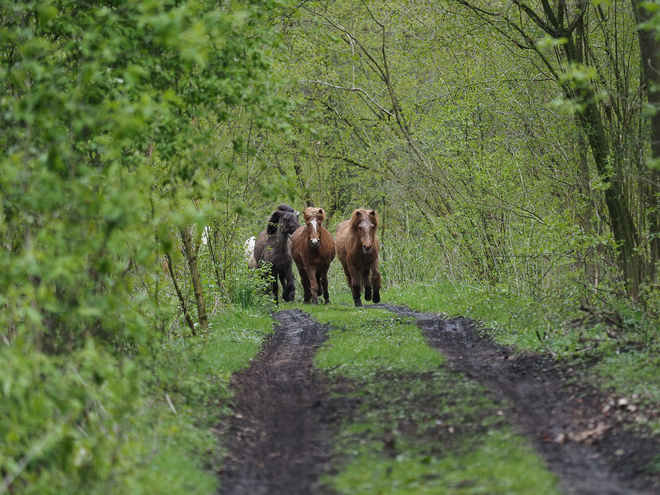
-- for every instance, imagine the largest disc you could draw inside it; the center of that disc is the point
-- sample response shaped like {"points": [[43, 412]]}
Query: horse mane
{"points": [[313, 212], [360, 214], [275, 218]]}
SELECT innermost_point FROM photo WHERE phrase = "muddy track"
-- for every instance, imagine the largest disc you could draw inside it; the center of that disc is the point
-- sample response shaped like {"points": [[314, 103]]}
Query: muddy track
{"points": [[279, 429], [280, 433], [585, 447]]}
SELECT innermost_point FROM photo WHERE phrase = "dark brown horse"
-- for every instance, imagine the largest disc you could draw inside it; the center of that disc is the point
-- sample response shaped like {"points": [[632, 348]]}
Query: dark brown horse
{"points": [[357, 250], [313, 249], [273, 245]]}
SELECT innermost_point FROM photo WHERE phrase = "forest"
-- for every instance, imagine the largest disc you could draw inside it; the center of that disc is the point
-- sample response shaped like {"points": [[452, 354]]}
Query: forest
{"points": [[511, 149]]}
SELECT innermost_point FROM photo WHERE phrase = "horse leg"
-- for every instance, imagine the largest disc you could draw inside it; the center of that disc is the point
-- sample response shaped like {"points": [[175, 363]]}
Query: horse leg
{"points": [[304, 280], [313, 284], [375, 282], [288, 287], [356, 287], [347, 273], [367, 284], [323, 282]]}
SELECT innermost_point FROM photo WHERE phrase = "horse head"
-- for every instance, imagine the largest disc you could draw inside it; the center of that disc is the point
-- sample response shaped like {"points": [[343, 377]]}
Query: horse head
{"points": [[283, 218], [366, 223], [289, 222], [314, 217]]}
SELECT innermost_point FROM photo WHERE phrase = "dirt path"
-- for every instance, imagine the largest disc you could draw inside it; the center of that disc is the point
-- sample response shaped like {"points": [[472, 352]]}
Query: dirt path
{"points": [[585, 447], [279, 428], [280, 432]]}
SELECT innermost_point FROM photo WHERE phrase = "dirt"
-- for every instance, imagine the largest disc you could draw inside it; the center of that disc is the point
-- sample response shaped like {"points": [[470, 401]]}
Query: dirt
{"points": [[588, 449], [280, 435]]}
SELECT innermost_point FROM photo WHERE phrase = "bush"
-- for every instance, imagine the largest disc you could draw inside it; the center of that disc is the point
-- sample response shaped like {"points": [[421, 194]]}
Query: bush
{"points": [[64, 420]]}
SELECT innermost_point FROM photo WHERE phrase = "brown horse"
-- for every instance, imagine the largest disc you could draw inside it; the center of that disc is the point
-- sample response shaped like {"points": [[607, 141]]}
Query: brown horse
{"points": [[313, 249], [357, 250]]}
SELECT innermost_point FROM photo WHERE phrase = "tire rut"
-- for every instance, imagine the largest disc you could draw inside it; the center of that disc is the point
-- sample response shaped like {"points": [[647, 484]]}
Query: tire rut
{"points": [[278, 432], [585, 448]]}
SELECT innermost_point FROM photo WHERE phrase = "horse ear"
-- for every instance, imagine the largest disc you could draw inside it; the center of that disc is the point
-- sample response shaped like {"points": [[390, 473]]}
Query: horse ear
{"points": [[374, 217], [358, 213], [274, 219]]}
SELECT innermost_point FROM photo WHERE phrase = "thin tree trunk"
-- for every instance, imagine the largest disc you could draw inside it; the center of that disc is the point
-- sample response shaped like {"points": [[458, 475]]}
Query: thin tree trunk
{"points": [[182, 300], [620, 218], [191, 256], [649, 48], [214, 260]]}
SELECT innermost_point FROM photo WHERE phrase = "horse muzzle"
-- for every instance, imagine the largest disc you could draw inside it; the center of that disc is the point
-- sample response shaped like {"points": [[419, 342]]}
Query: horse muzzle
{"points": [[314, 243], [367, 249]]}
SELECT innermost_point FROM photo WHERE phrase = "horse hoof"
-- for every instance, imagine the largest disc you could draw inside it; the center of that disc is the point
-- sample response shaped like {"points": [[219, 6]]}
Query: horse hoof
{"points": [[376, 297], [358, 303], [327, 301]]}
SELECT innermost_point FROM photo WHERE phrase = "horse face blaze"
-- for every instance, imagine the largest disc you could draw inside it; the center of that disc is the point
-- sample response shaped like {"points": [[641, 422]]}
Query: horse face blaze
{"points": [[312, 229], [366, 232]]}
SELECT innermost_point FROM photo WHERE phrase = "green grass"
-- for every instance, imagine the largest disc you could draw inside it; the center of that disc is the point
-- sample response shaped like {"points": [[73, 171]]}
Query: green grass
{"points": [[634, 372], [513, 320], [418, 427], [233, 339], [501, 464], [173, 472], [365, 341], [195, 374]]}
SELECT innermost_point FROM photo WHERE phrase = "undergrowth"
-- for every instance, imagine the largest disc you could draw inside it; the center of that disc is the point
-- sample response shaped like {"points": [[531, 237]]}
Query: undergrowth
{"points": [[96, 422]]}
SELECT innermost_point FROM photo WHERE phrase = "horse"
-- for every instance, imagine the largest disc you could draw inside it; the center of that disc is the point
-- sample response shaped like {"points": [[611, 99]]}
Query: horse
{"points": [[273, 246], [357, 250], [313, 249], [248, 246]]}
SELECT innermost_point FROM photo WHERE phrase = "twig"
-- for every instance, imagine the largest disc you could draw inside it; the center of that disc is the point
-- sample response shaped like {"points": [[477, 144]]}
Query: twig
{"points": [[325, 372], [169, 402]]}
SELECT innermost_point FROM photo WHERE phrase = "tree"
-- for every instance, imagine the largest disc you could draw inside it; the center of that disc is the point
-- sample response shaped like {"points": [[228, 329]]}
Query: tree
{"points": [[562, 39], [100, 138]]}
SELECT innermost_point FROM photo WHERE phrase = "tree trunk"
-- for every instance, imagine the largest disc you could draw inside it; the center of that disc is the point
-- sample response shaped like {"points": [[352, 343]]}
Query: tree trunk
{"points": [[214, 259], [649, 49], [182, 299], [620, 218], [191, 256]]}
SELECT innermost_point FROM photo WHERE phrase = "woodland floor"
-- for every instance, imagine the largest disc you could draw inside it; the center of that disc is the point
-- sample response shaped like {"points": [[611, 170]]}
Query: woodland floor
{"points": [[280, 433]]}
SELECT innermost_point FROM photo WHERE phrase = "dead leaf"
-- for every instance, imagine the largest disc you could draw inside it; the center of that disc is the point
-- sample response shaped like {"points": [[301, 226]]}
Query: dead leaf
{"points": [[589, 435]]}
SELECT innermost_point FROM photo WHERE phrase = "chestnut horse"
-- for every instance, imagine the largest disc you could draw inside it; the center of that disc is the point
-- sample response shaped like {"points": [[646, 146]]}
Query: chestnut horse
{"points": [[273, 245], [357, 250], [313, 249]]}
